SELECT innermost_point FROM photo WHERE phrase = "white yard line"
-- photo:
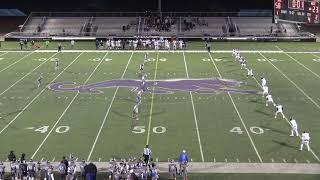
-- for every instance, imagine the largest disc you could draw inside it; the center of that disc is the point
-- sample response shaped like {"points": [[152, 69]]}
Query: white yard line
{"points": [[235, 107], [66, 109], [107, 113], [301, 64], [16, 62], [194, 111], [4, 54], [7, 125], [27, 74], [304, 93], [286, 116]]}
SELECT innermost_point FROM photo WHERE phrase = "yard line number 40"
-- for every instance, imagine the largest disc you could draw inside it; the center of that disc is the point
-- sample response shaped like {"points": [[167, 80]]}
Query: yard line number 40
{"points": [[253, 129]]}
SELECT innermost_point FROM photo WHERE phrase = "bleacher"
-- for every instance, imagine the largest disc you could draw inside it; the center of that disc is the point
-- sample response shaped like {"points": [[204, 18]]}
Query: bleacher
{"points": [[102, 25], [64, 25]]}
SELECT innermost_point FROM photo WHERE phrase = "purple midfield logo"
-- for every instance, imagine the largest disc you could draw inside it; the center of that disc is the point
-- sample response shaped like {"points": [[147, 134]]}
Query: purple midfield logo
{"points": [[201, 86]]}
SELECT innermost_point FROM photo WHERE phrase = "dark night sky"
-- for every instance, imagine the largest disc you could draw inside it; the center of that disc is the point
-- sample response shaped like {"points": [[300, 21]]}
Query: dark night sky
{"points": [[135, 5]]}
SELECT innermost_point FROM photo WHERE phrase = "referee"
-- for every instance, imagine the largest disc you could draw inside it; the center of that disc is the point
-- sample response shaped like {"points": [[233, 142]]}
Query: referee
{"points": [[146, 154]]}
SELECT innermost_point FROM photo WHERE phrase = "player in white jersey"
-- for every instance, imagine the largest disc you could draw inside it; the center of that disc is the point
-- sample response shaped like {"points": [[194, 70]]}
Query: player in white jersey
{"points": [[174, 44], [136, 110], [146, 56], [141, 67], [139, 95], [263, 82], [180, 44], [305, 139], [279, 109], [135, 44], [294, 127], [56, 64], [167, 44], [249, 72], [39, 80], [234, 52], [265, 91], [269, 99], [238, 57], [113, 44], [243, 64]]}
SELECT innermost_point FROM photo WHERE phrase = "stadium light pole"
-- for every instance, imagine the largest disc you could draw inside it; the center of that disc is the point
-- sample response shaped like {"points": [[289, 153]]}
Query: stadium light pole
{"points": [[159, 6]]}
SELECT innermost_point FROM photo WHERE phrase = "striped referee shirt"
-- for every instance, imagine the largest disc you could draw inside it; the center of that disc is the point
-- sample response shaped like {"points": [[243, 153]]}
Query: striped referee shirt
{"points": [[146, 151]]}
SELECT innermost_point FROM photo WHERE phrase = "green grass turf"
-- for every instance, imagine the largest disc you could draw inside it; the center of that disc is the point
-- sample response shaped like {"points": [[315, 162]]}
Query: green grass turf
{"points": [[292, 84]]}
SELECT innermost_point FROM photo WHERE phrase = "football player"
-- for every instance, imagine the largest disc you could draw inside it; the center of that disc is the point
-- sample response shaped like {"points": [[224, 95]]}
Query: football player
{"points": [[39, 80], [294, 127], [305, 139], [269, 99], [279, 109]]}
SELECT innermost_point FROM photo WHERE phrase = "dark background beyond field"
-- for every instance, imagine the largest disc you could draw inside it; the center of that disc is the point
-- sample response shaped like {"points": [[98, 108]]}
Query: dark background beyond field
{"points": [[135, 5]]}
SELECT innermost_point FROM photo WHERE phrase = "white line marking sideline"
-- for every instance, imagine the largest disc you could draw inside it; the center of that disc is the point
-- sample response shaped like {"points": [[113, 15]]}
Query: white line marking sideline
{"points": [[194, 111]]}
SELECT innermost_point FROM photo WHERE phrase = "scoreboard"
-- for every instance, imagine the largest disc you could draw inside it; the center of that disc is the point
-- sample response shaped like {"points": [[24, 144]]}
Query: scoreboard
{"points": [[297, 10]]}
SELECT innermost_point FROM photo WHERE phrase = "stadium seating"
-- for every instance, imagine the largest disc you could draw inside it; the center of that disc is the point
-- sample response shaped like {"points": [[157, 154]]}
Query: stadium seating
{"points": [[253, 25], [70, 25], [113, 25], [187, 26]]}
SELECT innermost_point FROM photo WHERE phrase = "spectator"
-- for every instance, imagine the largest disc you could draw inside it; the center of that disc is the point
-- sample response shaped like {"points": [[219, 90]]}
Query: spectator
{"points": [[146, 153], [91, 171], [23, 157], [172, 170], [183, 159], [66, 163], [2, 170], [62, 171], [82, 170], [11, 156]]}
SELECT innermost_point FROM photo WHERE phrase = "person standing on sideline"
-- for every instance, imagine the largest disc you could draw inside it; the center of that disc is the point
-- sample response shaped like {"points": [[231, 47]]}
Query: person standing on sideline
{"points": [[208, 46], [72, 43], [146, 154], [183, 159]]}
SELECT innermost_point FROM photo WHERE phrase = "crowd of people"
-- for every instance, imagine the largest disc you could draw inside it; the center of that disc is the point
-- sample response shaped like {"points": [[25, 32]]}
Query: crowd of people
{"points": [[34, 170], [134, 44], [142, 168], [158, 23]]}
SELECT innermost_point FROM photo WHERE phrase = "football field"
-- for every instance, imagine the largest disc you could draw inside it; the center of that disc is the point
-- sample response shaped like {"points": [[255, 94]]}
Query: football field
{"points": [[198, 101]]}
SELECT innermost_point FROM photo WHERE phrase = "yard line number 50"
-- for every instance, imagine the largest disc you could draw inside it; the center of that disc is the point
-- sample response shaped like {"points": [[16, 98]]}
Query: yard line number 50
{"points": [[142, 129]]}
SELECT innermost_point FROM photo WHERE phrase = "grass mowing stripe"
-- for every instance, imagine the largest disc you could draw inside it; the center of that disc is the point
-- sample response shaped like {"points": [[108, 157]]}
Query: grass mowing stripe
{"points": [[235, 107], [107, 113], [284, 75], [7, 125], [16, 62], [27, 74], [300, 91], [194, 111], [67, 108], [301, 64], [152, 97]]}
